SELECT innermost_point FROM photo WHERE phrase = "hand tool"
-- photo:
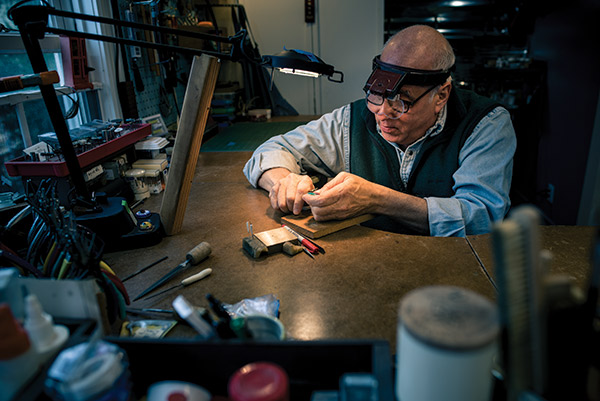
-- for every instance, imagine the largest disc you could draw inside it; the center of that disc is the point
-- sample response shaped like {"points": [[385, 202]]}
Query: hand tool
{"points": [[143, 269], [309, 245], [193, 257], [184, 282], [223, 328], [192, 315], [320, 248], [147, 311]]}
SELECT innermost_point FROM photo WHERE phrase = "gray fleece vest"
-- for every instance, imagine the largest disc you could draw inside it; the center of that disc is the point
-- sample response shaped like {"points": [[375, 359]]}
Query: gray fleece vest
{"points": [[374, 159]]}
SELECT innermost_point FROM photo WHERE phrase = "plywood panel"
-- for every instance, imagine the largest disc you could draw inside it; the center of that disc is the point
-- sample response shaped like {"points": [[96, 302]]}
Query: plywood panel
{"points": [[305, 224], [196, 105]]}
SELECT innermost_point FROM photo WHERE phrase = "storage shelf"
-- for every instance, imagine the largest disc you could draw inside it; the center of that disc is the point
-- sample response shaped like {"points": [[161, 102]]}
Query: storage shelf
{"points": [[23, 168]]}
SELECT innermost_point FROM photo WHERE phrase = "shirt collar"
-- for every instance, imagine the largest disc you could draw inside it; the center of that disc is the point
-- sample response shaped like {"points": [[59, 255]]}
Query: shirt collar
{"points": [[434, 130], [438, 126]]}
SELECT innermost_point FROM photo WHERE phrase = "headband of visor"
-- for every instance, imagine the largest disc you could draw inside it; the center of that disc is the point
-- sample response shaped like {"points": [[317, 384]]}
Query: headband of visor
{"points": [[387, 79]]}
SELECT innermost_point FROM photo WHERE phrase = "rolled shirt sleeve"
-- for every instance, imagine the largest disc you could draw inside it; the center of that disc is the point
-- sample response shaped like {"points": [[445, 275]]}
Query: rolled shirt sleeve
{"points": [[315, 147], [481, 183]]}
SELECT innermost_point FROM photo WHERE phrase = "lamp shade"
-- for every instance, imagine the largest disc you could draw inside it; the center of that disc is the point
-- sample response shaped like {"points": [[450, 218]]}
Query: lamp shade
{"points": [[300, 62]]}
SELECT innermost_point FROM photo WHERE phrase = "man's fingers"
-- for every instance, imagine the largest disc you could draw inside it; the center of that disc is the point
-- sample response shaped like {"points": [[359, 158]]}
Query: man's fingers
{"points": [[338, 179], [274, 196], [286, 194]]}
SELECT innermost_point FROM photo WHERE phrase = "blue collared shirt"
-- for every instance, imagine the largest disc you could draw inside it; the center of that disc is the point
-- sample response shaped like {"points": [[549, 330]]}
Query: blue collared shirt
{"points": [[481, 182]]}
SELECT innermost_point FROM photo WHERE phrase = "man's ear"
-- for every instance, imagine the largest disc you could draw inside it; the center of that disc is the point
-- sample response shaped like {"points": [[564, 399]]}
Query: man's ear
{"points": [[442, 96]]}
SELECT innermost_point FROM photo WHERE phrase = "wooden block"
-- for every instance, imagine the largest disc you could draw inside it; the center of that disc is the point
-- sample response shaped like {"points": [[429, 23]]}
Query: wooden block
{"points": [[309, 227], [196, 105]]}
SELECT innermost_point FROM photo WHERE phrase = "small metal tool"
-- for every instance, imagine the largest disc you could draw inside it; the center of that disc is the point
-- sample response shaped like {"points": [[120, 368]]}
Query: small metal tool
{"points": [[143, 269], [184, 282], [306, 251], [193, 257]]}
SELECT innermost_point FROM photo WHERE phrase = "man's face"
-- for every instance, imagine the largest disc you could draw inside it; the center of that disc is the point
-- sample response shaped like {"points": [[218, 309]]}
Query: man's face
{"points": [[411, 125], [425, 99]]}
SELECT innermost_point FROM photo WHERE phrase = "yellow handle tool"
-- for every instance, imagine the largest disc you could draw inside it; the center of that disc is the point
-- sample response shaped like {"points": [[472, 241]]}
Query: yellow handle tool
{"points": [[185, 282]]}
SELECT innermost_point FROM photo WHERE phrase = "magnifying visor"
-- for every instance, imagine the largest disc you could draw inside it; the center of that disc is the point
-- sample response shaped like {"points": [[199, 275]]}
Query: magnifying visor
{"points": [[386, 80]]}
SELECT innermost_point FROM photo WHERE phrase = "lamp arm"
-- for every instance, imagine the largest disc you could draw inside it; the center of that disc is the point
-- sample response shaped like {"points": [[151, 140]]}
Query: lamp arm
{"points": [[232, 55], [35, 19], [340, 80]]}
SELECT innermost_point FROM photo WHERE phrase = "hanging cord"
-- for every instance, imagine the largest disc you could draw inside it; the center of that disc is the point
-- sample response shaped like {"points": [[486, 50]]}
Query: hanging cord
{"points": [[60, 248], [4, 28], [74, 110]]}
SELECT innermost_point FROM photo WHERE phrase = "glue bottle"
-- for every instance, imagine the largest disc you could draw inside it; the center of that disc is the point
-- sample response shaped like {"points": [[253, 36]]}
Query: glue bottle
{"points": [[46, 336]]}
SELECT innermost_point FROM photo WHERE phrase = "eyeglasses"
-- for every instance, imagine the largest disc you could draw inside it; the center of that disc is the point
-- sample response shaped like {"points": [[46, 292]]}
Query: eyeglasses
{"points": [[398, 105]]}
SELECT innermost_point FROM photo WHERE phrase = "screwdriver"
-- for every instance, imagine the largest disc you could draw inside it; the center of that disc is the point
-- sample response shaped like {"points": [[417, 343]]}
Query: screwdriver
{"points": [[309, 245], [193, 257], [187, 281]]}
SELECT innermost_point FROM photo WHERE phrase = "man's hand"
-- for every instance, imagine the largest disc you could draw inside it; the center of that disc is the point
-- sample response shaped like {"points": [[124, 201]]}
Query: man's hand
{"points": [[286, 189], [346, 195]]}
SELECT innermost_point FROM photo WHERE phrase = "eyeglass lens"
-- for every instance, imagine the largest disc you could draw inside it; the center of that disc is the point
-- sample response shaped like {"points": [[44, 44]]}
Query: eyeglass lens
{"points": [[397, 105]]}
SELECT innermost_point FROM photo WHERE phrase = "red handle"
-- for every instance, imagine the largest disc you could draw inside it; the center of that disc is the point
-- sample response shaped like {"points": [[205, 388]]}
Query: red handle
{"points": [[311, 248]]}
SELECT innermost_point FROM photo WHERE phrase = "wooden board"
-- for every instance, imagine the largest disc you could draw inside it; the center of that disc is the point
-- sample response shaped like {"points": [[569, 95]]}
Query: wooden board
{"points": [[306, 225], [196, 104]]}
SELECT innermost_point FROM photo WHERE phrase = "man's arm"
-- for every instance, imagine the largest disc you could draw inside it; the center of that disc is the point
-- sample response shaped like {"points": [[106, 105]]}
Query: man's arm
{"points": [[280, 164], [482, 181], [269, 178], [314, 147]]}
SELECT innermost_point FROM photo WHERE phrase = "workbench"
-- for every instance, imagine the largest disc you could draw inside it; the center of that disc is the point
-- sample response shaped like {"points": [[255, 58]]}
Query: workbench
{"points": [[350, 292]]}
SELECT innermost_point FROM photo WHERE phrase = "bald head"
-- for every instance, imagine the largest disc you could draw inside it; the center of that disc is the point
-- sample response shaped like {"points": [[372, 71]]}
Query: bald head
{"points": [[419, 46]]}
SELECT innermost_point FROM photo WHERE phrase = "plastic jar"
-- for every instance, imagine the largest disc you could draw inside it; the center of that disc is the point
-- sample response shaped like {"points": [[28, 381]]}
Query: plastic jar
{"points": [[135, 177], [153, 181], [447, 339]]}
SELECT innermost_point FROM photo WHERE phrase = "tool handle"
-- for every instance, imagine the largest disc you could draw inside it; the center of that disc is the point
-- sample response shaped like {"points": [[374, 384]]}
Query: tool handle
{"points": [[309, 245], [217, 307], [196, 277], [198, 253]]}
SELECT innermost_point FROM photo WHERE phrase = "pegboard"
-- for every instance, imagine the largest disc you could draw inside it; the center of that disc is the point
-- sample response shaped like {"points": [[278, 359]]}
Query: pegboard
{"points": [[155, 98]]}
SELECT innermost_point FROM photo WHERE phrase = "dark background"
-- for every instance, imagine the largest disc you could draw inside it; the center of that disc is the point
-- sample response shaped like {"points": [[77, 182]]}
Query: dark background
{"points": [[540, 59]]}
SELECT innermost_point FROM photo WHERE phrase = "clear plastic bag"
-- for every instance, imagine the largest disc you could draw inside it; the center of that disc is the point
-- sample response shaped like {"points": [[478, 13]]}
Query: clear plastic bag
{"points": [[263, 305]]}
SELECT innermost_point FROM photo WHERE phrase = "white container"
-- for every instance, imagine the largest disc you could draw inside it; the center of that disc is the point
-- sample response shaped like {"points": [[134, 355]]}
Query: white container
{"points": [[447, 339], [259, 114], [135, 177], [154, 181], [46, 336], [177, 390], [265, 327]]}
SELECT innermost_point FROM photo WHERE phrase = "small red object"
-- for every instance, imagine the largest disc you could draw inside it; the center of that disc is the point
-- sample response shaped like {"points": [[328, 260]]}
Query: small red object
{"points": [[260, 381], [309, 245], [14, 340]]}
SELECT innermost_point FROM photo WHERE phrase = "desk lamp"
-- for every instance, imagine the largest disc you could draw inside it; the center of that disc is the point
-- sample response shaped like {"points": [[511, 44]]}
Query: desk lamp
{"points": [[112, 213], [300, 62]]}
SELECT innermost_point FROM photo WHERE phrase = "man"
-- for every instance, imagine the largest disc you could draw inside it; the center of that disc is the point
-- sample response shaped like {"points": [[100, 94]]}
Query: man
{"points": [[423, 156]]}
